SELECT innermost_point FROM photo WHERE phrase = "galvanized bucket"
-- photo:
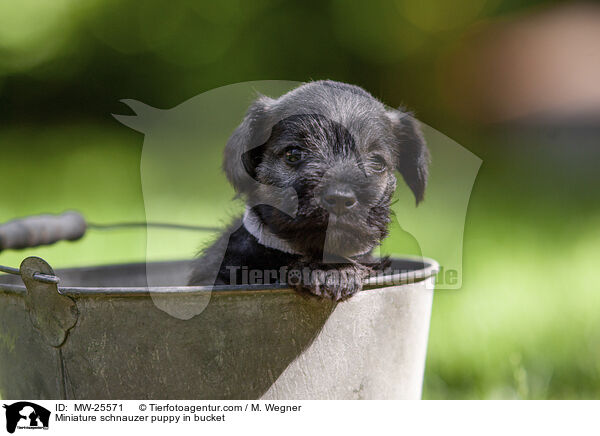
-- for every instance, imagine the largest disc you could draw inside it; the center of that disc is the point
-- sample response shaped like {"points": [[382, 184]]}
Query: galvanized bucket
{"points": [[99, 336], [95, 333]]}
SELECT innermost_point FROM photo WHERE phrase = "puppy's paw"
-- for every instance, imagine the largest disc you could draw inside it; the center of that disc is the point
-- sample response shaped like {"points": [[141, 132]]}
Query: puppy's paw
{"points": [[336, 282], [342, 283]]}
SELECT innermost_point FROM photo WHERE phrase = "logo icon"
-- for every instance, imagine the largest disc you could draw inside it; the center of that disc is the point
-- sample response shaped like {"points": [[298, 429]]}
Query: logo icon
{"points": [[25, 415]]}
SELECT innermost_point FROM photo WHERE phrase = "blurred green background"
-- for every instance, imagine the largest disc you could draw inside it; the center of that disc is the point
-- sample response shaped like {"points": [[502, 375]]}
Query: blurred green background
{"points": [[526, 323]]}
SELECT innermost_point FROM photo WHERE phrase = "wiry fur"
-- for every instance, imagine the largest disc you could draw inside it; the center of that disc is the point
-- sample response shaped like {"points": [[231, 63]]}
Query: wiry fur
{"points": [[346, 136]]}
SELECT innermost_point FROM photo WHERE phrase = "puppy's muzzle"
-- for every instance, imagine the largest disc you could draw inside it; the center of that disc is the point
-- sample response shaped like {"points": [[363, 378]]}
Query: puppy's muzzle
{"points": [[338, 199]]}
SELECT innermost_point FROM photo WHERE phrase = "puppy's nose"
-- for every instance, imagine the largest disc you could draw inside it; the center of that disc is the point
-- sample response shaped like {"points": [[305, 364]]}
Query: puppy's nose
{"points": [[338, 200]]}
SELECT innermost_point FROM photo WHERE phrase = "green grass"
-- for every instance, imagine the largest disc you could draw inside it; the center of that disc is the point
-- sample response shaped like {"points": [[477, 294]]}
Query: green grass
{"points": [[524, 325]]}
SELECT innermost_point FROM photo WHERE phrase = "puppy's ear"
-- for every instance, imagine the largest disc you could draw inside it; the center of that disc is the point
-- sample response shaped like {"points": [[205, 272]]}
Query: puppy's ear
{"points": [[243, 151], [412, 155]]}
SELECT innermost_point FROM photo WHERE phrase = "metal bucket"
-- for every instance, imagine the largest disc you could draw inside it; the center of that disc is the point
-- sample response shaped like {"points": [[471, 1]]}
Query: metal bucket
{"points": [[99, 336]]}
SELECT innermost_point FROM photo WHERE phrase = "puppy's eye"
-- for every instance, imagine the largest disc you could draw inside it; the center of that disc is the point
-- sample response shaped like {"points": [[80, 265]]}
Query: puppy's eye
{"points": [[293, 155], [378, 164]]}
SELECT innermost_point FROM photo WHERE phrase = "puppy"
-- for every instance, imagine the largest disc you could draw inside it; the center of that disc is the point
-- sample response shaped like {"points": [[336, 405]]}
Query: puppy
{"points": [[316, 169]]}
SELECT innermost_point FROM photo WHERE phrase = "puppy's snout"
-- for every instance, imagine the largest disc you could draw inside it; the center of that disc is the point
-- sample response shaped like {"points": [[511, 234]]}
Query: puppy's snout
{"points": [[338, 199]]}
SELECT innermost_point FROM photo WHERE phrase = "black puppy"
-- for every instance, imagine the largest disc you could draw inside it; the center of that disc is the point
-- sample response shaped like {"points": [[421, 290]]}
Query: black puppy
{"points": [[316, 168]]}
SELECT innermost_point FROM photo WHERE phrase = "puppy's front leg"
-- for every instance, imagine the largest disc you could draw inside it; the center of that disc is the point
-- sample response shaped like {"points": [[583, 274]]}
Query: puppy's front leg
{"points": [[335, 281]]}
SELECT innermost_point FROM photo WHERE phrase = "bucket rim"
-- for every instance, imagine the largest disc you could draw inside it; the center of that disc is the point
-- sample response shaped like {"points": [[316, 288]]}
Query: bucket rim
{"points": [[396, 278]]}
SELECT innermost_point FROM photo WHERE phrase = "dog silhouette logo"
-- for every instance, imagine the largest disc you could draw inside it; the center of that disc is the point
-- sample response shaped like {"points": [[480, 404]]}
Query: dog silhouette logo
{"points": [[25, 415]]}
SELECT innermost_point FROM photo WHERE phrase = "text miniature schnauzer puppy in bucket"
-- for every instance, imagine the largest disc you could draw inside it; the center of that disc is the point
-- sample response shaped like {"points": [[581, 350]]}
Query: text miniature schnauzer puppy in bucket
{"points": [[316, 169]]}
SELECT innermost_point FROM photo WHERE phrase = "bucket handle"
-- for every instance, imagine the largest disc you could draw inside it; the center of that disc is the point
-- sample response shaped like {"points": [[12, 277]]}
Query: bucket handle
{"points": [[35, 231], [40, 230]]}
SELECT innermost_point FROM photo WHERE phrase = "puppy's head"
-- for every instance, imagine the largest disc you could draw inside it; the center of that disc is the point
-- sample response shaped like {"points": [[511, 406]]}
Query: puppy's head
{"points": [[337, 147]]}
